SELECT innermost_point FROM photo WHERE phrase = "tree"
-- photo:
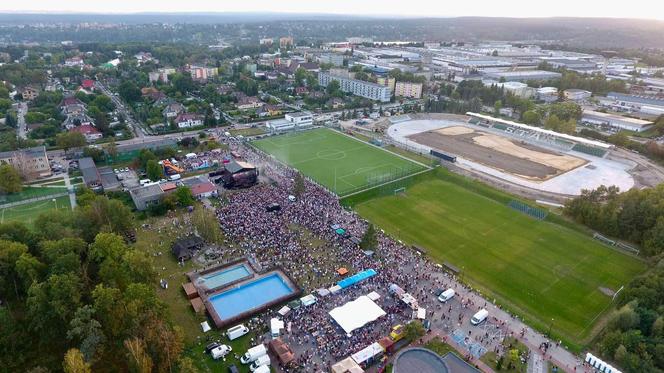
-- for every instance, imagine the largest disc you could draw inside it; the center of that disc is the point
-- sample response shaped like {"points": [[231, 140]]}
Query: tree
{"points": [[183, 196], [531, 117], [85, 330], [413, 331], [75, 363], [10, 120], [369, 239], [129, 91], [496, 107], [333, 88], [207, 225], [69, 140], [10, 179], [10, 252], [137, 357], [112, 149], [619, 139], [154, 170]]}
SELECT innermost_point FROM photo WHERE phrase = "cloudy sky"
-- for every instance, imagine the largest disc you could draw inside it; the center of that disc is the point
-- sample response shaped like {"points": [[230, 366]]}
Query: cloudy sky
{"points": [[438, 8]]}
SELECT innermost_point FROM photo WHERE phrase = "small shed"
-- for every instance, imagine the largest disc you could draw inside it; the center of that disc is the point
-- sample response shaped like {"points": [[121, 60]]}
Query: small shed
{"points": [[197, 305], [190, 290]]}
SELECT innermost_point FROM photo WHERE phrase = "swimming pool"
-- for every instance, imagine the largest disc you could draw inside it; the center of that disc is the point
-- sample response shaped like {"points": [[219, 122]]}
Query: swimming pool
{"points": [[219, 279], [249, 296]]}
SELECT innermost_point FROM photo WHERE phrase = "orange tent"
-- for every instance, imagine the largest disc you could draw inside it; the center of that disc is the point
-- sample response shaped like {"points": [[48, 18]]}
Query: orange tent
{"points": [[342, 271]]}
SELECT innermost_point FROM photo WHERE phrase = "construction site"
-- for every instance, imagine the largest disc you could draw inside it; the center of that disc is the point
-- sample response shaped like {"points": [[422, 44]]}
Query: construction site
{"points": [[514, 155]]}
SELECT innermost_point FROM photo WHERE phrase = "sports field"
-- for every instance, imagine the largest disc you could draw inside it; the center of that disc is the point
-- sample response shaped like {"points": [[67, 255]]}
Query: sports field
{"points": [[549, 274], [339, 162], [28, 212]]}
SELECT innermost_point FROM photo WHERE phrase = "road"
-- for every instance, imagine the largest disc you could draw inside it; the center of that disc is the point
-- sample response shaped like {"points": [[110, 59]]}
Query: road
{"points": [[138, 130], [22, 127]]}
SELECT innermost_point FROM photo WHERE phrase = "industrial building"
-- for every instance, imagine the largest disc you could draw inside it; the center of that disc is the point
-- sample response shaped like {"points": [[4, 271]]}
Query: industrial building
{"points": [[31, 163], [644, 104], [576, 94], [522, 75], [91, 176], [360, 88], [615, 121], [147, 195]]}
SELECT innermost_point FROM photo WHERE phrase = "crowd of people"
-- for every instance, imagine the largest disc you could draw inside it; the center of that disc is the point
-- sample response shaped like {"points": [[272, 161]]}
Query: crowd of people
{"points": [[298, 237]]}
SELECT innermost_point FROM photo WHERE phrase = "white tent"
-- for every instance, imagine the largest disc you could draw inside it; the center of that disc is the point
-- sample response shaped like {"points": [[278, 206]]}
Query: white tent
{"points": [[355, 314], [283, 311], [334, 289], [373, 296], [421, 313], [323, 292], [205, 326], [275, 326]]}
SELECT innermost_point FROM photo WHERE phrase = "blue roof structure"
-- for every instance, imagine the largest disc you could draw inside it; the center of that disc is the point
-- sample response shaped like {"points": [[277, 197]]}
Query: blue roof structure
{"points": [[354, 279]]}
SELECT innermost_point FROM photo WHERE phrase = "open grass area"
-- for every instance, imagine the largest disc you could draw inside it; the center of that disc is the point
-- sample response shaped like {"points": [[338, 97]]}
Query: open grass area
{"points": [[504, 365], [31, 192], [247, 131], [28, 212], [548, 273], [339, 162]]}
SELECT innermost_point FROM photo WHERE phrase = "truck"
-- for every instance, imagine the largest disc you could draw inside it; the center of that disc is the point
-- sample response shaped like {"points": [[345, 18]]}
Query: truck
{"points": [[261, 361], [237, 331], [253, 353], [263, 369]]}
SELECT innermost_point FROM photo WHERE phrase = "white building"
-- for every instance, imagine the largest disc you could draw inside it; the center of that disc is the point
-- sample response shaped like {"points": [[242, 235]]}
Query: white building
{"points": [[360, 88], [295, 120], [577, 94], [615, 121], [547, 94]]}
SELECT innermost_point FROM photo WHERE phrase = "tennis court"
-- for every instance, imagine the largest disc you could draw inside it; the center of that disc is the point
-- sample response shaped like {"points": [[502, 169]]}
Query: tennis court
{"points": [[339, 162]]}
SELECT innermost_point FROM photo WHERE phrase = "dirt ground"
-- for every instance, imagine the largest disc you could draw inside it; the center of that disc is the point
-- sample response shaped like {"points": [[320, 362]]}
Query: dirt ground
{"points": [[524, 160]]}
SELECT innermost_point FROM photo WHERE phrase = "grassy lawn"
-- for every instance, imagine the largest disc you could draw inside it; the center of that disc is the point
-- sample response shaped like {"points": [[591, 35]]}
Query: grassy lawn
{"points": [[438, 346], [31, 192], [154, 242], [538, 269], [247, 131], [339, 162], [491, 359], [28, 212]]}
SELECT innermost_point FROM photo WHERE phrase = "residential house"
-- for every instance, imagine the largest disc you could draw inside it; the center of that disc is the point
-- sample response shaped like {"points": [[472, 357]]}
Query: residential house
{"points": [[77, 119], [76, 61], [335, 103], [29, 93], [88, 85], [286, 42], [268, 110], [172, 110], [248, 102], [187, 120], [301, 91], [90, 133]]}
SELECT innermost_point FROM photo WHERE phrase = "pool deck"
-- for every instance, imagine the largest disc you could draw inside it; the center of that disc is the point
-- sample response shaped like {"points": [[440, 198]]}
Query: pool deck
{"points": [[205, 294]]}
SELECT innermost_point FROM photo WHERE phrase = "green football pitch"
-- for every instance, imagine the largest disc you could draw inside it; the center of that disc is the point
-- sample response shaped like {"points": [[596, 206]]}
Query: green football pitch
{"points": [[338, 162], [28, 212], [551, 275]]}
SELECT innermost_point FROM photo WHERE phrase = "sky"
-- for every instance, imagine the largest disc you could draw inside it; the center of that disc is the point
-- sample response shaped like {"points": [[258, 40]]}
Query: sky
{"points": [[431, 8]]}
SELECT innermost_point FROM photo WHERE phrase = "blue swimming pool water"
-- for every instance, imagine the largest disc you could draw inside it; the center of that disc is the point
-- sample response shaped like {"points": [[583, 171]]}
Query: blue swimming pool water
{"points": [[250, 295], [218, 279]]}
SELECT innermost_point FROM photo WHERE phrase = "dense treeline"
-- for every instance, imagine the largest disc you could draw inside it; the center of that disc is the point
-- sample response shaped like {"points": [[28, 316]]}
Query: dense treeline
{"points": [[74, 294], [634, 338], [595, 83], [636, 215]]}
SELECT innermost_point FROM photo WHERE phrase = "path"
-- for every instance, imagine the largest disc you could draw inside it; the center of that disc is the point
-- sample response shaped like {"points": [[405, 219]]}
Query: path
{"points": [[70, 189], [22, 128], [536, 363]]}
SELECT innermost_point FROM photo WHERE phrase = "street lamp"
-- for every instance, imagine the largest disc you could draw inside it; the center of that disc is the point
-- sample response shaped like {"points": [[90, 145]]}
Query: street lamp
{"points": [[550, 325]]}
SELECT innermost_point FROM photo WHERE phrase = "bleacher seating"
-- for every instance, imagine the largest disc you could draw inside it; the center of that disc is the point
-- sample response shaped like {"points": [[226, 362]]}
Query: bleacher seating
{"points": [[589, 150], [528, 210], [500, 126]]}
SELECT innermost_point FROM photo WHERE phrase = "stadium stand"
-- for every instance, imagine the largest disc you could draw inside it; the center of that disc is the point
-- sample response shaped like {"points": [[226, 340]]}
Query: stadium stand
{"points": [[528, 210], [589, 150]]}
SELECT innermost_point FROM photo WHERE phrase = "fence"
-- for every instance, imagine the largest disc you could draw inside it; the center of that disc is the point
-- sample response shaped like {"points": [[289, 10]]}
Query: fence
{"points": [[528, 210]]}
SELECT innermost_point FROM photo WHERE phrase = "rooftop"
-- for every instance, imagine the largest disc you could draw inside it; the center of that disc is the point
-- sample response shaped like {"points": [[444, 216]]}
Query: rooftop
{"points": [[146, 191], [616, 117]]}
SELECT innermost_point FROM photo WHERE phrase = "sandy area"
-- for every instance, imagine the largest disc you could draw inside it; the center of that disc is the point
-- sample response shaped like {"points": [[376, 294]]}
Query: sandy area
{"points": [[455, 130], [561, 162]]}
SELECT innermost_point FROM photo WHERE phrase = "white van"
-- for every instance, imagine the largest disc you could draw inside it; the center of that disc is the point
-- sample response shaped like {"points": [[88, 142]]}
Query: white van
{"points": [[253, 353], [446, 295], [174, 177], [237, 331], [479, 317], [263, 369], [263, 360], [220, 351], [145, 182]]}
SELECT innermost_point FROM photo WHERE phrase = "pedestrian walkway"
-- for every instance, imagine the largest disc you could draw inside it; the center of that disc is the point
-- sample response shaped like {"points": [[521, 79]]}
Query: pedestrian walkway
{"points": [[72, 193], [536, 363]]}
